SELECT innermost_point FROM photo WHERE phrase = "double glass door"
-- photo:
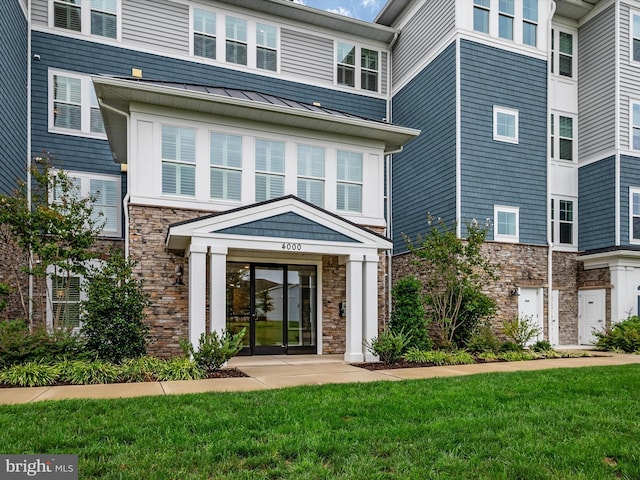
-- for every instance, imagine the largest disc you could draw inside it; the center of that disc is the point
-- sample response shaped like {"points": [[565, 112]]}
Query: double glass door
{"points": [[276, 304]]}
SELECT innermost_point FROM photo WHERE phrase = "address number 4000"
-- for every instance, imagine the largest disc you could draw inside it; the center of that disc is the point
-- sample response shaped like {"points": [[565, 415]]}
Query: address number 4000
{"points": [[292, 246]]}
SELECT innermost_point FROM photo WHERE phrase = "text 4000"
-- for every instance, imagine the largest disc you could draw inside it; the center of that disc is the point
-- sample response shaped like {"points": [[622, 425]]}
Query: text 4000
{"points": [[292, 246]]}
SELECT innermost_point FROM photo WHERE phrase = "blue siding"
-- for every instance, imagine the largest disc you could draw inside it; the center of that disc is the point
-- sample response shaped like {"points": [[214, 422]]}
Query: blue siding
{"points": [[596, 205], [287, 225], [424, 174], [499, 173], [13, 98], [92, 58], [629, 177]]}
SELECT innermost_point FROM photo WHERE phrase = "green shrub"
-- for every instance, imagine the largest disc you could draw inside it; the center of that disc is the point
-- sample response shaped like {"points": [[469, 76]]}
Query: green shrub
{"points": [[509, 346], [439, 357], [408, 313], [488, 356], [476, 306], [143, 369], [483, 340], [30, 374], [542, 346], [515, 356], [520, 330], [624, 336], [114, 311], [388, 346], [180, 369], [79, 372], [214, 349]]}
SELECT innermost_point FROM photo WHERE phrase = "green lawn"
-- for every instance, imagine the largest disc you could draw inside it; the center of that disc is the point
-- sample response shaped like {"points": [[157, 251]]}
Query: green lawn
{"points": [[581, 423]]}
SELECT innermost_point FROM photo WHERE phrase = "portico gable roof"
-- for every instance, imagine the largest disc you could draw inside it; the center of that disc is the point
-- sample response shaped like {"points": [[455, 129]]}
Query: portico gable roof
{"points": [[308, 225]]}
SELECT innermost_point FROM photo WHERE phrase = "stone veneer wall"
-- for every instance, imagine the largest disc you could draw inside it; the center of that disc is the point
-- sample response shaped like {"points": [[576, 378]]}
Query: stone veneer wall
{"points": [[168, 315], [565, 280]]}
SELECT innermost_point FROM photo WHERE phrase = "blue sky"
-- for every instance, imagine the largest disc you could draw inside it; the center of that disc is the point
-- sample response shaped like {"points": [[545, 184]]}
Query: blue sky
{"points": [[362, 9]]}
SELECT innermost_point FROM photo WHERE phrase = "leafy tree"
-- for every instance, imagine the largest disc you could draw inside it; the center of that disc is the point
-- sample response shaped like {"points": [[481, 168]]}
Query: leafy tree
{"points": [[113, 320], [53, 223], [408, 314], [454, 271]]}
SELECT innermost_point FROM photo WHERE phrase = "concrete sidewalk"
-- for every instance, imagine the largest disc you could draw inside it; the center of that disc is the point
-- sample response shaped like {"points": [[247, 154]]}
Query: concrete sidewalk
{"points": [[267, 372]]}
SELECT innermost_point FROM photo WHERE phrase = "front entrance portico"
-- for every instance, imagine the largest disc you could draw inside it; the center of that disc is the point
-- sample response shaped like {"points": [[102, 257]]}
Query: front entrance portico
{"points": [[285, 231]]}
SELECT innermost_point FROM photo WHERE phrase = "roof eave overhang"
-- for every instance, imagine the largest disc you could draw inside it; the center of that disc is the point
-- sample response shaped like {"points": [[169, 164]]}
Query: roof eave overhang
{"points": [[116, 95], [608, 258]]}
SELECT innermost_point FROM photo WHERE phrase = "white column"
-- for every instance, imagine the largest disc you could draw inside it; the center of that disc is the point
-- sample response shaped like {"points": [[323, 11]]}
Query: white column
{"points": [[197, 291], [370, 303], [218, 287], [353, 351]]}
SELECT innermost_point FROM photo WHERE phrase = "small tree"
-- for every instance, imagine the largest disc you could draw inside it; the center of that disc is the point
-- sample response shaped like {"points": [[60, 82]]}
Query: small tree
{"points": [[113, 321], [454, 273], [53, 223], [408, 314]]}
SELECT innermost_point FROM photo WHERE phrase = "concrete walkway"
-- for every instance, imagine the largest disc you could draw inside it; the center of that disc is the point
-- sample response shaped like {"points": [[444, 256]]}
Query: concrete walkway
{"points": [[287, 371]]}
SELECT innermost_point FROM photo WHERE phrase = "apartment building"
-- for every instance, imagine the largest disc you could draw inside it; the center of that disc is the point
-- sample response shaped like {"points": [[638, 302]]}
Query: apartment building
{"points": [[261, 159]]}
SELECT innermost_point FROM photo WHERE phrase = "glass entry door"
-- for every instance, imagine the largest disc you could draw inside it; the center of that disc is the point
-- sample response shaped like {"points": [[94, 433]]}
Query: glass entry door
{"points": [[277, 305]]}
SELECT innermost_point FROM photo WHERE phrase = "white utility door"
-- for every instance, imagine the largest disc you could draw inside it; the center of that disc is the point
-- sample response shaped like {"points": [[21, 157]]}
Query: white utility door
{"points": [[554, 325], [591, 315], [530, 306]]}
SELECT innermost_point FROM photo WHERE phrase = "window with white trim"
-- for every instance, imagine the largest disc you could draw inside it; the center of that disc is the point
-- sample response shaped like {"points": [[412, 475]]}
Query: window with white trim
{"points": [[91, 17], [506, 13], [64, 308], [634, 215], [204, 33], [357, 66], [562, 135], [506, 223], [635, 126], [73, 106], [562, 221], [505, 124], [266, 47], [106, 193], [269, 169], [635, 36], [178, 161], [481, 10], [311, 174], [562, 56], [236, 41], [349, 186], [226, 166], [530, 22]]}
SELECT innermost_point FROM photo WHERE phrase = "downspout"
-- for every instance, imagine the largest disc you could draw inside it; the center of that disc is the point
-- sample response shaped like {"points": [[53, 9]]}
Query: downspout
{"points": [[30, 253], [125, 200], [388, 161], [549, 180]]}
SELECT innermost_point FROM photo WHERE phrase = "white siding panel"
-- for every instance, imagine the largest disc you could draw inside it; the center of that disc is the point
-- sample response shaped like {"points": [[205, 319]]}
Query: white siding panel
{"points": [[629, 75], [596, 85], [39, 12], [306, 55], [422, 33], [156, 23]]}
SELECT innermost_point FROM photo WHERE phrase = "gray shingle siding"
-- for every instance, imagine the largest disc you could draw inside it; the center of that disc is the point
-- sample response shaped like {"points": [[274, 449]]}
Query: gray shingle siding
{"points": [[629, 177], [94, 58], [500, 173], [596, 205], [13, 86], [287, 225], [424, 174]]}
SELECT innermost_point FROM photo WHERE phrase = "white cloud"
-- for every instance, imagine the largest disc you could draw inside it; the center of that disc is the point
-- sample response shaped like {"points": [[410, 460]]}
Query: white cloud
{"points": [[301, 2], [341, 11], [369, 3]]}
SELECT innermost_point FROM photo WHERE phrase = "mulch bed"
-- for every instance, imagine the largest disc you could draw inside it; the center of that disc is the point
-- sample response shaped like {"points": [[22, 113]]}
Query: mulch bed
{"points": [[373, 366], [227, 373]]}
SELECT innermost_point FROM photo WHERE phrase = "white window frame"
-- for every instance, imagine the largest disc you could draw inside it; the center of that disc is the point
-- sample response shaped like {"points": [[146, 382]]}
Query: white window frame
{"points": [[633, 35], [348, 182], [505, 111], [225, 168], [531, 21], [179, 162], [498, 237], [632, 124], [633, 191], [193, 31], [221, 39], [269, 172], [358, 69], [85, 20], [86, 104], [309, 178], [481, 5], [507, 15], [555, 137], [555, 51], [555, 221]]}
